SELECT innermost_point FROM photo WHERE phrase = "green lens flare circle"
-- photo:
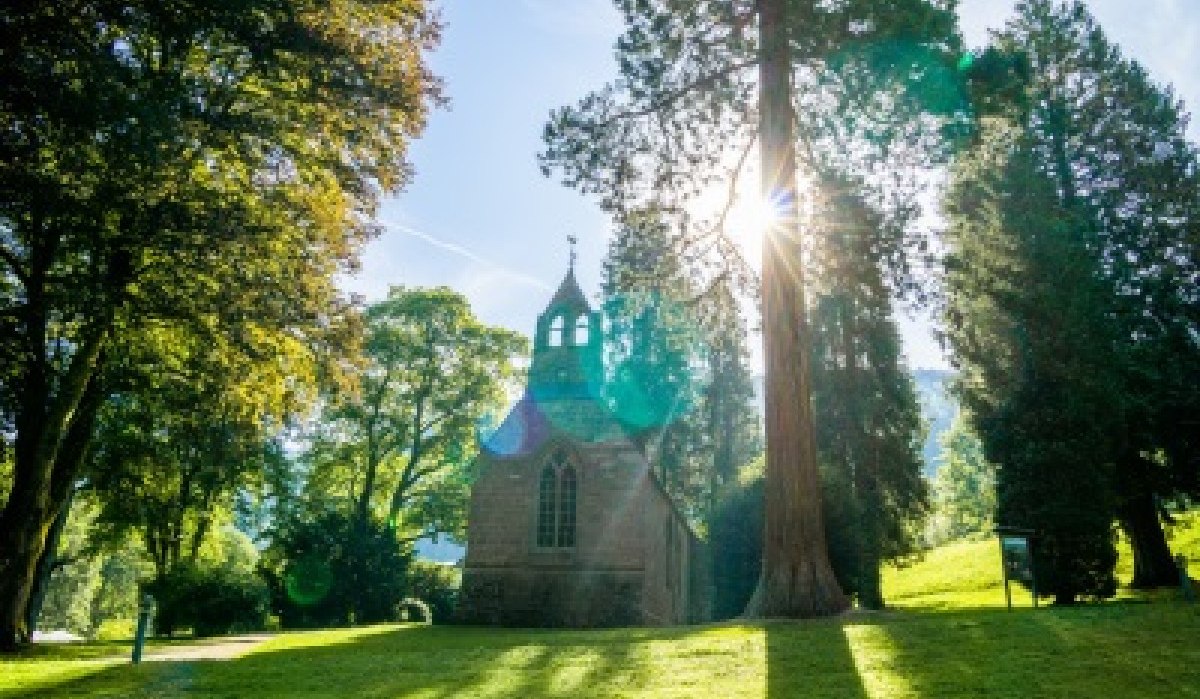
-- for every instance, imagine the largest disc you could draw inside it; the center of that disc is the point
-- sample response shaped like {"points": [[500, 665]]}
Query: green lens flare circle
{"points": [[308, 580]]}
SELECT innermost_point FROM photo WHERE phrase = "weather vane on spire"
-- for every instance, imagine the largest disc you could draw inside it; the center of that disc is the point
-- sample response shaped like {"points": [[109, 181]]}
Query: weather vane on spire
{"points": [[572, 240]]}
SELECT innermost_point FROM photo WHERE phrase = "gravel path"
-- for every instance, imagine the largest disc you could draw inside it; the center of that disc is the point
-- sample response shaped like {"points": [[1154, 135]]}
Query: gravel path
{"points": [[226, 648]]}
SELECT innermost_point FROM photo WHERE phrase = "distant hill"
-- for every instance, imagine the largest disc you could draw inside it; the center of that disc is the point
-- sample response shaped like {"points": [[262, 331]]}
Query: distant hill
{"points": [[938, 409]]}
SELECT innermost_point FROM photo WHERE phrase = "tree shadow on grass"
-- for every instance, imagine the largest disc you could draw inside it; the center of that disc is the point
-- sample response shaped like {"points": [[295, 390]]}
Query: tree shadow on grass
{"points": [[810, 659], [1114, 650], [1107, 650], [454, 662]]}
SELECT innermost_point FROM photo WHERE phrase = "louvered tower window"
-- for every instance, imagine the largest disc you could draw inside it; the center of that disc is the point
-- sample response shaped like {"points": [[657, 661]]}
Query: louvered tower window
{"points": [[557, 330], [581, 331]]}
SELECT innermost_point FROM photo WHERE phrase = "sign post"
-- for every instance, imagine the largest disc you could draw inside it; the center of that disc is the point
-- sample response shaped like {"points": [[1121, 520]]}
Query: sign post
{"points": [[145, 610], [1185, 581], [1016, 559]]}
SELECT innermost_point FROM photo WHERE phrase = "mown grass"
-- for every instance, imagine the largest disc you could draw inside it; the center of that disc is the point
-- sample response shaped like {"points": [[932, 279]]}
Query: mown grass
{"points": [[947, 638], [966, 574], [1115, 650]]}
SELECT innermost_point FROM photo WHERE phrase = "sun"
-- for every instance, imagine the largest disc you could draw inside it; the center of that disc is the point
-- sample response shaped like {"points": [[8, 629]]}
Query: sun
{"points": [[746, 220]]}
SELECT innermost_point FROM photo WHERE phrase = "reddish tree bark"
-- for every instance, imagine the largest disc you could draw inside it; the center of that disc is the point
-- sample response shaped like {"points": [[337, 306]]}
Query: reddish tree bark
{"points": [[797, 579]]}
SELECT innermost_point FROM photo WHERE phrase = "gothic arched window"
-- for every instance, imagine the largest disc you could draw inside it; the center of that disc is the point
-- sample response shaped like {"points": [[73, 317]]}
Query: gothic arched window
{"points": [[556, 331], [557, 498]]}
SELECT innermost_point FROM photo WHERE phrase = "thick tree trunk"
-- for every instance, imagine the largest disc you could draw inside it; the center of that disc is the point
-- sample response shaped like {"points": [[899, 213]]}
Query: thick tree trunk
{"points": [[23, 532], [46, 564], [797, 579], [40, 486], [1152, 562]]}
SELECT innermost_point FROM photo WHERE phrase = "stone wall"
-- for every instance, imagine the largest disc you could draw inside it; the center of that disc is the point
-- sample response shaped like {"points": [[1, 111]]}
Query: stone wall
{"points": [[667, 586], [552, 598], [619, 573]]}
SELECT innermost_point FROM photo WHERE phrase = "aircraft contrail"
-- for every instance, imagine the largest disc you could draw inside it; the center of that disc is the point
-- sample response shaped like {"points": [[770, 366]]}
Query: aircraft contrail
{"points": [[463, 252]]}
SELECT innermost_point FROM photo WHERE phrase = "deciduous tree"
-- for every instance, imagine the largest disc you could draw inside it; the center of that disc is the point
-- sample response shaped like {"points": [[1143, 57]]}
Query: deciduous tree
{"points": [[398, 448], [204, 165]]}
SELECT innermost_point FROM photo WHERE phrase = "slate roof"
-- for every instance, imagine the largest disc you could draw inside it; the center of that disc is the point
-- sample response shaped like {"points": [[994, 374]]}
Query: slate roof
{"points": [[534, 420], [569, 295]]}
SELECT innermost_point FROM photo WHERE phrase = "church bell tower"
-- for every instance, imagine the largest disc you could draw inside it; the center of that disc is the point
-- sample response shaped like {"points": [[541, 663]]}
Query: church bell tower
{"points": [[567, 354]]}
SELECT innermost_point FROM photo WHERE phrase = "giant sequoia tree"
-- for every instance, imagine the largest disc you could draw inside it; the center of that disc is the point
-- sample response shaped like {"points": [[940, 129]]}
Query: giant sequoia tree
{"points": [[701, 82], [209, 166]]}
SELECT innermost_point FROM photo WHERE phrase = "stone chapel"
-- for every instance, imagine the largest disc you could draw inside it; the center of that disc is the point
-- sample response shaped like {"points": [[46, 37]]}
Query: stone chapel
{"points": [[568, 524]]}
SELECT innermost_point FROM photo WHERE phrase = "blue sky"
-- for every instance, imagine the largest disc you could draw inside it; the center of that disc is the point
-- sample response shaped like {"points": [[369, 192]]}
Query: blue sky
{"points": [[480, 218]]}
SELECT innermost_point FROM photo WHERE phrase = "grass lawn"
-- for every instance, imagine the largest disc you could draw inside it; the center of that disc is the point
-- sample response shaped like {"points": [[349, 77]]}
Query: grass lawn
{"points": [[947, 638]]}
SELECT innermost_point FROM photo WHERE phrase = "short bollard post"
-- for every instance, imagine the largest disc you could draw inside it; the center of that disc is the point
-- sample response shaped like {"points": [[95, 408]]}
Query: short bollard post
{"points": [[1185, 581], [145, 610]]}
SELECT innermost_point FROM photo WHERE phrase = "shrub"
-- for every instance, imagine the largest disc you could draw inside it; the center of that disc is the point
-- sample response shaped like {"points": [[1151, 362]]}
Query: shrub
{"points": [[435, 584], [331, 571], [210, 601]]}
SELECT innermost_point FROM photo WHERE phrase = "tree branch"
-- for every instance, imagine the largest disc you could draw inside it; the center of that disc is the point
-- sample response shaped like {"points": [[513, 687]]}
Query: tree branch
{"points": [[674, 96], [14, 263]]}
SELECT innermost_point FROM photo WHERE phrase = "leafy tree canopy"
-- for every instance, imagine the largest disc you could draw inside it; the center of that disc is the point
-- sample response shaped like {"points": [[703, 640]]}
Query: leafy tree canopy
{"points": [[207, 166]]}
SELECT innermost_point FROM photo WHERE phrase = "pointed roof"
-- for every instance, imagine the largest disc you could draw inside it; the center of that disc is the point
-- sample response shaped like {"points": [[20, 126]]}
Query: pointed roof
{"points": [[569, 295]]}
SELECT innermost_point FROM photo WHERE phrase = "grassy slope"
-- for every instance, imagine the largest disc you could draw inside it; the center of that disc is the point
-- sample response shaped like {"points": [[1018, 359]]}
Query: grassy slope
{"points": [[967, 573], [942, 645]]}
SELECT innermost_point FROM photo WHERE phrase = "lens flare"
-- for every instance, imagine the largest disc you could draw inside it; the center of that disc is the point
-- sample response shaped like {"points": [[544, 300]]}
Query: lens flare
{"points": [[307, 580]]}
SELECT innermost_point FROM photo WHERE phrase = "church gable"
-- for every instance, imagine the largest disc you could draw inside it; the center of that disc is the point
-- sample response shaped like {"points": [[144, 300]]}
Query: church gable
{"points": [[566, 524]]}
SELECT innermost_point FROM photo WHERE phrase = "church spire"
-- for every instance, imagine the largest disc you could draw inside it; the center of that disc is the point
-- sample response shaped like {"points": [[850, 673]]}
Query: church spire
{"points": [[567, 345]]}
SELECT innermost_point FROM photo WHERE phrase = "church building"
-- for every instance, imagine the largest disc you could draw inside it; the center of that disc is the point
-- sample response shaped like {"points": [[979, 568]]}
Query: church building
{"points": [[568, 523]]}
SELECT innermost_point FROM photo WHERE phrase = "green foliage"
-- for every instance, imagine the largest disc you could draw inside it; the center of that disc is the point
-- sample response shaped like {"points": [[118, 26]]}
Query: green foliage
{"points": [[94, 578], [845, 87], [654, 350], [964, 489], [6, 469], [735, 541], [678, 363], [335, 569], [1072, 297], [434, 584], [735, 537], [875, 85], [193, 433], [868, 417], [1029, 332], [938, 409], [398, 447], [209, 600], [224, 171]]}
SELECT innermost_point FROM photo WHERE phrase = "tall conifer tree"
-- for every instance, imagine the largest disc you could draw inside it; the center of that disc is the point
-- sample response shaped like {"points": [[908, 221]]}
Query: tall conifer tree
{"points": [[701, 83], [1102, 148]]}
